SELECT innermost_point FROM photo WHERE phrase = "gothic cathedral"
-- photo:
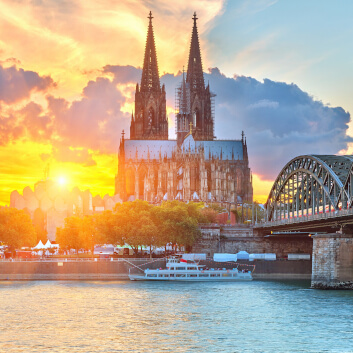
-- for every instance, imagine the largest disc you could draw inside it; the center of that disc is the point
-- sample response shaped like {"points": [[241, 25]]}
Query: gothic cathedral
{"points": [[195, 166]]}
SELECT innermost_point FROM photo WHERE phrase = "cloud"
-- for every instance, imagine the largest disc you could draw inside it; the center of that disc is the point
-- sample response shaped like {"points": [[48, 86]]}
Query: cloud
{"points": [[280, 120], [17, 84], [38, 125], [91, 123], [12, 61], [95, 121], [124, 74], [29, 122], [10, 130]]}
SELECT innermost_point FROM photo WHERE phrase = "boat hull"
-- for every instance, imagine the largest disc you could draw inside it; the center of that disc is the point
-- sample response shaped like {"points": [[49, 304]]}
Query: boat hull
{"points": [[190, 279]]}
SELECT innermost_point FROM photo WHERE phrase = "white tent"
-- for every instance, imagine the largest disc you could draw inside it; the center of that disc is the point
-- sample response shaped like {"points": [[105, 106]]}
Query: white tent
{"points": [[39, 246], [47, 244]]}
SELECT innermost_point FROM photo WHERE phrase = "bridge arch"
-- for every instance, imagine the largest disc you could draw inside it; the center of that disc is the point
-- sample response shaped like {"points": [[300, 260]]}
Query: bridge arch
{"points": [[311, 184]]}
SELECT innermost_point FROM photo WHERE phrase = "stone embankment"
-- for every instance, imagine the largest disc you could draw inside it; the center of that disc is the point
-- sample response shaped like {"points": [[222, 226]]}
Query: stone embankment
{"points": [[333, 286], [119, 270]]}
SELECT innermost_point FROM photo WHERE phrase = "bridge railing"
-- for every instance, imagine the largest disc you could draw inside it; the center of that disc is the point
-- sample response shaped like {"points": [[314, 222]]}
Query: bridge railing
{"points": [[307, 218]]}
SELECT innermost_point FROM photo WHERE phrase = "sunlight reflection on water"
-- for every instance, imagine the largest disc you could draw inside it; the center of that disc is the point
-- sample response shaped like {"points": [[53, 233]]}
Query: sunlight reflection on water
{"points": [[127, 316]]}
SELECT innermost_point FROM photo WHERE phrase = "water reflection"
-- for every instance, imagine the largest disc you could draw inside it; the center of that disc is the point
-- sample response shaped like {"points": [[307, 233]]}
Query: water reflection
{"points": [[261, 316]]}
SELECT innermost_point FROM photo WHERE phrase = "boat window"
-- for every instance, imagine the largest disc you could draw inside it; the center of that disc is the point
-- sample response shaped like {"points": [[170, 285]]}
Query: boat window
{"points": [[151, 275], [172, 268], [172, 275], [192, 275], [180, 268], [214, 274], [192, 268], [227, 275], [180, 275], [203, 275]]}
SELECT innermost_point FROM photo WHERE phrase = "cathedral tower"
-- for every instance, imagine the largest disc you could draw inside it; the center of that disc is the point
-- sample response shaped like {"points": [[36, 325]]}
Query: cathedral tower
{"points": [[201, 115], [150, 121]]}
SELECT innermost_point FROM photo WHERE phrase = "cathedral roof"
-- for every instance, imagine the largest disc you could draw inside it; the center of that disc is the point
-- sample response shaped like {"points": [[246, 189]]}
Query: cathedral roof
{"points": [[153, 147], [225, 149]]}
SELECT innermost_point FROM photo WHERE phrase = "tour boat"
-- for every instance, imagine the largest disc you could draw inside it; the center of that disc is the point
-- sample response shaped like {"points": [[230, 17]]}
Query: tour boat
{"points": [[181, 270]]}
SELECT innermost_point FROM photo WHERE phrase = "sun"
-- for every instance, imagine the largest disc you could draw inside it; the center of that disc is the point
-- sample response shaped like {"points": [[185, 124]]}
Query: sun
{"points": [[62, 180]]}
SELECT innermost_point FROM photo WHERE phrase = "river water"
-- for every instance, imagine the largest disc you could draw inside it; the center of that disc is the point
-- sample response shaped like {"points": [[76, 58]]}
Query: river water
{"points": [[258, 316]]}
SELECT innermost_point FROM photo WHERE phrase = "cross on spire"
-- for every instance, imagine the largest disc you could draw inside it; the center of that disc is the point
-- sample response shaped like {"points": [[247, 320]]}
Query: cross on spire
{"points": [[194, 18], [150, 16]]}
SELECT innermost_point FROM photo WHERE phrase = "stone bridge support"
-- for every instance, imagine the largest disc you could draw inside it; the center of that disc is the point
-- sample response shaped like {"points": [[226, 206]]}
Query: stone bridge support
{"points": [[332, 261]]}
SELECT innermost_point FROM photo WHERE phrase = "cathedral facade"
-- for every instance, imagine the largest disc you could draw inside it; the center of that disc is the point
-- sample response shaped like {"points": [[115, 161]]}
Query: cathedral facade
{"points": [[195, 166]]}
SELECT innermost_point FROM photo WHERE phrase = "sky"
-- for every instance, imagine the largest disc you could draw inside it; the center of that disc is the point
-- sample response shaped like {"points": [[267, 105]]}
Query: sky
{"points": [[281, 70]]}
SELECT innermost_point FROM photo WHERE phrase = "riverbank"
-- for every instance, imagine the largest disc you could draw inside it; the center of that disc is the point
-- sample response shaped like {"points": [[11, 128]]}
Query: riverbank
{"points": [[119, 269]]}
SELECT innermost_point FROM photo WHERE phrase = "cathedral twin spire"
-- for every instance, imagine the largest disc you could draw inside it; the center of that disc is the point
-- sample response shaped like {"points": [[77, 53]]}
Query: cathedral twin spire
{"points": [[150, 76], [194, 75], [150, 121]]}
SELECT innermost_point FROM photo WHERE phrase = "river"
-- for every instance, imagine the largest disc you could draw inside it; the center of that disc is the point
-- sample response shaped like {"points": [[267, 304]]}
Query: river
{"points": [[257, 316]]}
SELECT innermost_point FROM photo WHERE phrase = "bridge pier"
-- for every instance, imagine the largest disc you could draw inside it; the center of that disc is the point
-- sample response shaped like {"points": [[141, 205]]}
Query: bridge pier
{"points": [[332, 261]]}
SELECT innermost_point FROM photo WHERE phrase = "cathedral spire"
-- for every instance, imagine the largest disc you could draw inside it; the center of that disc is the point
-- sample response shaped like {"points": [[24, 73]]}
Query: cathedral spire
{"points": [[194, 75], [150, 76]]}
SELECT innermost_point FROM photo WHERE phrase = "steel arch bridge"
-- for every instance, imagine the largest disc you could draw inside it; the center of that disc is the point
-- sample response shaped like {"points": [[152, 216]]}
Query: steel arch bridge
{"points": [[309, 185]]}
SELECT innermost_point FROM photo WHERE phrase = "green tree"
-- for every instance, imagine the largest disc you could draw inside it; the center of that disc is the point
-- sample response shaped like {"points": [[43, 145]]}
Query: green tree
{"points": [[177, 223], [209, 215], [133, 225], [77, 233], [16, 228], [106, 230]]}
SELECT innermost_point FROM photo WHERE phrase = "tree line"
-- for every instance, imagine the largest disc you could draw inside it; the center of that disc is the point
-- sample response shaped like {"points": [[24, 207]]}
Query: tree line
{"points": [[137, 224]]}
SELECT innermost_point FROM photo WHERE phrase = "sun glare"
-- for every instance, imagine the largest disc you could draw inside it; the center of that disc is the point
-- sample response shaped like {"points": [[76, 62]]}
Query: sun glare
{"points": [[62, 180]]}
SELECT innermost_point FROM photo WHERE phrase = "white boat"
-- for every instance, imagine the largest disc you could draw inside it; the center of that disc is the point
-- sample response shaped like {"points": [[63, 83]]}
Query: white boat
{"points": [[179, 270]]}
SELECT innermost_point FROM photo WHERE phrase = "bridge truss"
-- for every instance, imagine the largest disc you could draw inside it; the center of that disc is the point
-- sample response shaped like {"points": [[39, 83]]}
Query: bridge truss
{"points": [[310, 185]]}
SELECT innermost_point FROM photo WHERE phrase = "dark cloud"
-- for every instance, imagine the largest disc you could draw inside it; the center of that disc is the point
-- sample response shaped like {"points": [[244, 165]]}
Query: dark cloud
{"points": [[12, 61], [38, 125], [95, 121], [17, 84], [124, 74], [10, 130], [280, 120], [28, 122]]}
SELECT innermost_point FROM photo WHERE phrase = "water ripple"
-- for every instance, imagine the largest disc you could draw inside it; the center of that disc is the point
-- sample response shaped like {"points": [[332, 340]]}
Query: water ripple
{"points": [[261, 316]]}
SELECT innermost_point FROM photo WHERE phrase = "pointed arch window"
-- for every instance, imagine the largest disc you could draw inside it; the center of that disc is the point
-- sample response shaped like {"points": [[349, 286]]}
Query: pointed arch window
{"points": [[150, 117]]}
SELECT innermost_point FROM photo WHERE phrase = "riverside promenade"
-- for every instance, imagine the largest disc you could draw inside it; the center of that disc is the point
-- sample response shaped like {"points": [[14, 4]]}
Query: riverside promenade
{"points": [[118, 269]]}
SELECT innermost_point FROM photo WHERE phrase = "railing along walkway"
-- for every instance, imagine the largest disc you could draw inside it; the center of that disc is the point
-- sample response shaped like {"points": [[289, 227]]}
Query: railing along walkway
{"points": [[307, 218], [48, 259]]}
